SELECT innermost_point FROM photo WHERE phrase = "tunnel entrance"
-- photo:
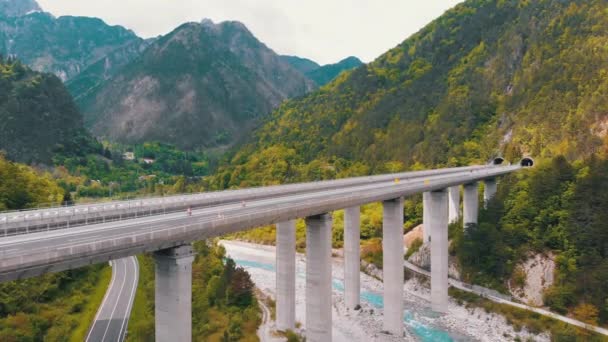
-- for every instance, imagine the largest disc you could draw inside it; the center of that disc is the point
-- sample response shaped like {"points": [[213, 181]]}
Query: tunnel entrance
{"points": [[527, 162], [498, 161]]}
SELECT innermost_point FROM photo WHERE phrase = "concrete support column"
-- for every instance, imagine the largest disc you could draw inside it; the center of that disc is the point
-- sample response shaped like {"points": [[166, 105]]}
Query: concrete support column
{"points": [[318, 278], [352, 257], [454, 204], [489, 190], [173, 297], [286, 275], [392, 261], [426, 196], [470, 203], [439, 251]]}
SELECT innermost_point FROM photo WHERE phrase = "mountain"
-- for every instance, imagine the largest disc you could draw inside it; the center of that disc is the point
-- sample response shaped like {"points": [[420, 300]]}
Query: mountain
{"points": [[38, 117], [322, 75], [17, 8], [329, 72], [65, 46], [487, 77], [303, 65], [202, 85]]}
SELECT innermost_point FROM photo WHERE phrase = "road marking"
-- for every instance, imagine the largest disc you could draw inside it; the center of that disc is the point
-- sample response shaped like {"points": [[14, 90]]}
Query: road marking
{"points": [[124, 280], [103, 302], [125, 322]]}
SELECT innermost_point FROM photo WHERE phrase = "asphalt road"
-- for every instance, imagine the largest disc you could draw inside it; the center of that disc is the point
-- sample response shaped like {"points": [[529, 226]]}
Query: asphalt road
{"points": [[38, 253], [112, 319], [28, 221]]}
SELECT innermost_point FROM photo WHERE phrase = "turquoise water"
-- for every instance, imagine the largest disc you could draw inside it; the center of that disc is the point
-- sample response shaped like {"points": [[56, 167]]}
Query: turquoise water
{"points": [[422, 331]]}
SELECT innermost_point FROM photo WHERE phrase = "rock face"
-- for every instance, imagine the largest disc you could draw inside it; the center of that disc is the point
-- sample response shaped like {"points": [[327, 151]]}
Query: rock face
{"points": [[537, 275], [413, 235], [202, 85], [65, 46], [422, 259], [17, 8]]}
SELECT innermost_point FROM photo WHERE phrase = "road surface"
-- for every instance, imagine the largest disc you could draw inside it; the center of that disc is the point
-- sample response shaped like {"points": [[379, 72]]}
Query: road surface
{"points": [[112, 319], [30, 255]]}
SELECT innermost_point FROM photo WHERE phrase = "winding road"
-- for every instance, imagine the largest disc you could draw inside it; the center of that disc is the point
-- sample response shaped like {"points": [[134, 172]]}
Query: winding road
{"points": [[112, 319]]}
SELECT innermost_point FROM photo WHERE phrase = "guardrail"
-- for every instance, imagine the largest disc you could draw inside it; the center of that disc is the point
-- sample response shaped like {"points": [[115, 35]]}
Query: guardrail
{"points": [[66, 217], [41, 255]]}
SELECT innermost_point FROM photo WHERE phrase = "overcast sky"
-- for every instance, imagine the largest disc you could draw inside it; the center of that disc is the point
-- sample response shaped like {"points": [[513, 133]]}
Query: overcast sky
{"points": [[323, 30]]}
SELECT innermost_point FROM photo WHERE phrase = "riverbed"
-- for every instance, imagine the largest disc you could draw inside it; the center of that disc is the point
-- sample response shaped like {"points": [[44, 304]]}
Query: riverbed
{"points": [[421, 324]]}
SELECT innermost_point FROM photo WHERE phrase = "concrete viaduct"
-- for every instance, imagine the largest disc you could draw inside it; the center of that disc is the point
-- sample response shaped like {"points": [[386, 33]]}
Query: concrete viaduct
{"points": [[55, 239]]}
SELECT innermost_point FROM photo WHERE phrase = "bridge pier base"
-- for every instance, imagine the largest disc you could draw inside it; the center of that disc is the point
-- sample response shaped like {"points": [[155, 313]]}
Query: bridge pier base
{"points": [[439, 251], [426, 229], [392, 261], [352, 257], [318, 278], [173, 295], [286, 275], [489, 190], [470, 204], [454, 195]]}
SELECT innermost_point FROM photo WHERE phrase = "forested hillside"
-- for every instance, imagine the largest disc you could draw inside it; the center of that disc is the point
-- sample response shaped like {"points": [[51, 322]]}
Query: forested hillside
{"points": [[38, 117], [486, 78], [22, 187], [521, 77]]}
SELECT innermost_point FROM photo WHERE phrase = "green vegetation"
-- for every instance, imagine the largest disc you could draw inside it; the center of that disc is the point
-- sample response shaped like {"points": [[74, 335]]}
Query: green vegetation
{"points": [[504, 77], [89, 311], [53, 307], [38, 116], [558, 207], [532, 321], [416, 244], [23, 187], [224, 307], [157, 169], [487, 77]]}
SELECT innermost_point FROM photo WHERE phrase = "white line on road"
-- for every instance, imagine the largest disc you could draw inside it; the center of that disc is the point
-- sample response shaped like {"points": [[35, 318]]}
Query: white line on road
{"points": [[103, 302], [124, 280]]}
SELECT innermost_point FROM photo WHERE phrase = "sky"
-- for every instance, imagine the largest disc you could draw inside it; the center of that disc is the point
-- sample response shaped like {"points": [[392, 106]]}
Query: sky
{"points": [[325, 31]]}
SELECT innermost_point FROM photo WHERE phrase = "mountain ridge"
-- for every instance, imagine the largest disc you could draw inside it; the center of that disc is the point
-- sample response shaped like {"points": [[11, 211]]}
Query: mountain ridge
{"points": [[217, 78], [17, 8]]}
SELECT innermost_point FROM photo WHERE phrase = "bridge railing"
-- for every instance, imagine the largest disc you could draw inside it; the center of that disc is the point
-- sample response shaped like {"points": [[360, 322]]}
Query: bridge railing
{"points": [[66, 217]]}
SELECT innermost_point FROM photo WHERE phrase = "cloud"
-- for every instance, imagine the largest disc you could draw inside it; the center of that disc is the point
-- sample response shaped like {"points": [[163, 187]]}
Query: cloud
{"points": [[323, 30]]}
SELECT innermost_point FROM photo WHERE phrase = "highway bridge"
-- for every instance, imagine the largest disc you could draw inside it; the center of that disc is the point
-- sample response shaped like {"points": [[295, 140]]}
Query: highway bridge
{"points": [[34, 242]]}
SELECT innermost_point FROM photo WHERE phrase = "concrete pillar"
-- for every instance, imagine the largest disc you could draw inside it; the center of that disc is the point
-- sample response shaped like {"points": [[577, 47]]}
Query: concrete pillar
{"points": [[425, 217], [470, 204], [454, 204], [352, 258], [173, 297], [392, 261], [489, 190], [439, 251], [318, 278], [286, 275]]}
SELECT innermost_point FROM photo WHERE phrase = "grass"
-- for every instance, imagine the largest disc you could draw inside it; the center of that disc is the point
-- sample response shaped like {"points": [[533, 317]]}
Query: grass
{"points": [[416, 244], [141, 322], [532, 321], [87, 315]]}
